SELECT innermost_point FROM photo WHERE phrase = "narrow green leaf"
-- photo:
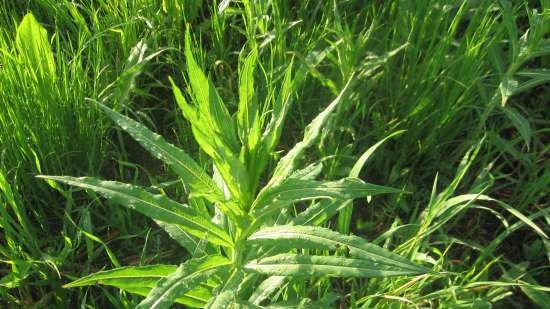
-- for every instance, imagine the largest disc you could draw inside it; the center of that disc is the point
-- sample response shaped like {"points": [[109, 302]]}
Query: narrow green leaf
{"points": [[302, 303], [247, 114], [222, 300], [541, 299], [315, 237], [179, 161], [453, 203], [344, 217], [209, 102], [121, 277], [226, 294], [535, 77], [507, 87], [140, 280], [310, 172], [520, 123], [234, 174], [305, 265], [320, 212], [260, 154], [214, 129], [157, 207], [266, 288], [272, 132], [196, 298], [356, 169], [312, 132], [509, 23], [295, 190], [185, 278], [192, 244]]}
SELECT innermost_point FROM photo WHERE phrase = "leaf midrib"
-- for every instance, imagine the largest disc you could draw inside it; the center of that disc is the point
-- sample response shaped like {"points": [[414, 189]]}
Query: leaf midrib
{"points": [[384, 260], [194, 172], [192, 275], [334, 190], [179, 215]]}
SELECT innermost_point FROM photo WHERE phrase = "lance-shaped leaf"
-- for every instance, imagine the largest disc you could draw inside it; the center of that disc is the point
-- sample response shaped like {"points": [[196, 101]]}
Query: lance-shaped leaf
{"points": [[274, 128], [535, 77], [266, 288], [196, 298], [226, 294], [247, 115], [295, 190], [344, 218], [179, 161], [222, 300], [315, 237], [312, 132], [122, 277], [337, 266], [158, 207], [186, 277], [320, 212], [140, 280], [208, 101], [193, 245]]}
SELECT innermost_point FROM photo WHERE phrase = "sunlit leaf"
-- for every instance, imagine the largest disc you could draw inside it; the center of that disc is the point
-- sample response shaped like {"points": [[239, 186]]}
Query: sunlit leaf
{"points": [[336, 266], [157, 207], [185, 278], [315, 237]]}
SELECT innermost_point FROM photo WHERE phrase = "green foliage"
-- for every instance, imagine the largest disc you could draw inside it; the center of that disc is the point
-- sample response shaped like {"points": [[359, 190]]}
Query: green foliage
{"points": [[445, 100], [215, 132], [157, 207]]}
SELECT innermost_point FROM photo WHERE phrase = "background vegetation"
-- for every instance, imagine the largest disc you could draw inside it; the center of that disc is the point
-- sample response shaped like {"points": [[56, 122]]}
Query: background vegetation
{"points": [[465, 81]]}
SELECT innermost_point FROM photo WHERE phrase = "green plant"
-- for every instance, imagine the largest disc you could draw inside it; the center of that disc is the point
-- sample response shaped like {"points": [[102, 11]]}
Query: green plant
{"points": [[235, 229], [43, 119]]}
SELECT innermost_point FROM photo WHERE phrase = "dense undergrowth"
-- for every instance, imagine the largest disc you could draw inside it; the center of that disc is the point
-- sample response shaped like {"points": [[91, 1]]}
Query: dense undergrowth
{"points": [[447, 99]]}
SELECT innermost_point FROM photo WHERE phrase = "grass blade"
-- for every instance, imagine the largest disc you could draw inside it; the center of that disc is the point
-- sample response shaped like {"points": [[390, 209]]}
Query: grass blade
{"points": [[344, 217]]}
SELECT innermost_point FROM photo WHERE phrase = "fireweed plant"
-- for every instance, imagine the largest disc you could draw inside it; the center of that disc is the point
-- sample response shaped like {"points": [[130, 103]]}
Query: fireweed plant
{"points": [[243, 239]]}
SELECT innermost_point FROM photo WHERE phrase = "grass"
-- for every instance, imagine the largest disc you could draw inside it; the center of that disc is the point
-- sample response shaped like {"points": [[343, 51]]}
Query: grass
{"points": [[466, 83]]}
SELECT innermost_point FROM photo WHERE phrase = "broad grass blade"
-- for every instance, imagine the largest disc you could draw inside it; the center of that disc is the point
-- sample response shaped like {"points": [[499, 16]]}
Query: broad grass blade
{"points": [[32, 42]]}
